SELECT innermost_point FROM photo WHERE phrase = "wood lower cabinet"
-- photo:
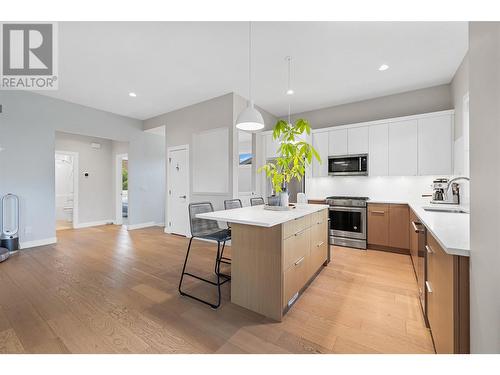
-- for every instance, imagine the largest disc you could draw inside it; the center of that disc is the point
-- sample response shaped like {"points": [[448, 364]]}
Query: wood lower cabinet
{"points": [[447, 299], [378, 224], [304, 253], [388, 227]]}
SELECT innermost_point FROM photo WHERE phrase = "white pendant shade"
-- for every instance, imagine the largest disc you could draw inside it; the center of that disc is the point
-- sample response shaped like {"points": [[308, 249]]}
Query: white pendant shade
{"points": [[250, 119]]}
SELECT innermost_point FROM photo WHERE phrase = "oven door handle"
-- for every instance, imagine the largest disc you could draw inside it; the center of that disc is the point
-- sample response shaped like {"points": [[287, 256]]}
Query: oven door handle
{"points": [[348, 209]]}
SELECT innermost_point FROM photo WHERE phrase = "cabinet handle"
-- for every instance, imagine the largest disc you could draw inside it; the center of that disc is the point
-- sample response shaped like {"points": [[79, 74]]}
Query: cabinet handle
{"points": [[299, 261], [320, 244], [428, 287], [378, 212], [429, 249], [299, 233], [415, 227]]}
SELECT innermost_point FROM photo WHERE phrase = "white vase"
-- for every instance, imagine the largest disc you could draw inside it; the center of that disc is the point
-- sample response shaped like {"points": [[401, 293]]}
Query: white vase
{"points": [[284, 198]]}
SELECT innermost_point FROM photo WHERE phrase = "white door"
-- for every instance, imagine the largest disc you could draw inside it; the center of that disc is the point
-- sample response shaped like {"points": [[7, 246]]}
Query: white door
{"points": [[435, 145], [178, 191], [378, 157], [403, 148], [337, 142]]}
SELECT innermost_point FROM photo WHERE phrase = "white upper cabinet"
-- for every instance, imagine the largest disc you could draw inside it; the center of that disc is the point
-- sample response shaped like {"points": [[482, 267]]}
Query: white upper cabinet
{"points": [[378, 150], [435, 145], [337, 142], [357, 140], [320, 143], [403, 148], [271, 146]]}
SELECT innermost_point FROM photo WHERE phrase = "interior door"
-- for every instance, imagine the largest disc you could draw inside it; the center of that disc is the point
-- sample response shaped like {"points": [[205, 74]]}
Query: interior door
{"points": [[178, 191]]}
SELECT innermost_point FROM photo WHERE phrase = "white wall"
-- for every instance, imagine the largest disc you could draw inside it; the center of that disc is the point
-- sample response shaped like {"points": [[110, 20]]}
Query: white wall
{"points": [[27, 137], [484, 76], [95, 192]]}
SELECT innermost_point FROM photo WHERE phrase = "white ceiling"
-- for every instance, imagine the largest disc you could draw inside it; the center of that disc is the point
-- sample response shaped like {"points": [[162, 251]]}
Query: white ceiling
{"points": [[174, 64]]}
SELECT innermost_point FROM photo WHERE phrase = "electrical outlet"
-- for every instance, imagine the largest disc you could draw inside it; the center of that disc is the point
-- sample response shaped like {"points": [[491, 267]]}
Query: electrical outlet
{"points": [[28, 230]]}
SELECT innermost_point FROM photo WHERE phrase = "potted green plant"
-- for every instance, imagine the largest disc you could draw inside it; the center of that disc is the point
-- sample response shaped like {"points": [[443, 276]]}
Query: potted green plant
{"points": [[294, 155]]}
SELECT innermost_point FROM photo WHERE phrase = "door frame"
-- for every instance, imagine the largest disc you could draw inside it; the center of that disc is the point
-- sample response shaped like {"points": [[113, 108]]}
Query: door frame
{"points": [[167, 195], [76, 173], [118, 189]]}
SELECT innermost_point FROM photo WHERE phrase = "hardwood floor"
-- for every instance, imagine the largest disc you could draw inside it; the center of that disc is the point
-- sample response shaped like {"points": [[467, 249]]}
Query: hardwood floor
{"points": [[106, 290]]}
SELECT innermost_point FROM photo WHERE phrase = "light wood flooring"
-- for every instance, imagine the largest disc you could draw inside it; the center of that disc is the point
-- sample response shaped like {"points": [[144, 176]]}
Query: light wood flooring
{"points": [[106, 290]]}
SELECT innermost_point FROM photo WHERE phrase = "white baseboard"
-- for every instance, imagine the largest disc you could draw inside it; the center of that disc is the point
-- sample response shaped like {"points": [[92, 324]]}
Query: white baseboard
{"points": [[45, 241], [93, 223], [141, 225]]}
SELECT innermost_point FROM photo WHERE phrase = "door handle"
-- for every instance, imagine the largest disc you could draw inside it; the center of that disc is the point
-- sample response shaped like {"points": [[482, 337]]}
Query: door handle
{"points": [[299, 261], [378, 212], [415, 227], [320, 244], [299, 233], [182, 196], [428, 287], [429, 249]]}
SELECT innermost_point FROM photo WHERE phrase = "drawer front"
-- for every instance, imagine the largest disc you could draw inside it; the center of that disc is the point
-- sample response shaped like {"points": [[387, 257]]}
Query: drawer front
{"points": [[292, 227], [295, 247], [440, 303], [294, 279], [378, 224], [319, 217]]}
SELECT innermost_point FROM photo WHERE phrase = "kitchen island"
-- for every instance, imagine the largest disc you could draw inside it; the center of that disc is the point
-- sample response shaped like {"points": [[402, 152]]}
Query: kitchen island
{"points": [[275, 254]]}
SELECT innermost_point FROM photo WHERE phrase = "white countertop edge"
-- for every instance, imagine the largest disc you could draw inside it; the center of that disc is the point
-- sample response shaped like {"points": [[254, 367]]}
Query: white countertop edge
{"points": [[298, 212]]}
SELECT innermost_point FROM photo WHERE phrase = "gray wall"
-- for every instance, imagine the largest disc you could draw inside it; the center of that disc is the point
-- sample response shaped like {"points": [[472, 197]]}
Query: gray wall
{"points": [[95, 192], [484, 75], [460, 87], [27, 135], [431, 99], [182, 124]]}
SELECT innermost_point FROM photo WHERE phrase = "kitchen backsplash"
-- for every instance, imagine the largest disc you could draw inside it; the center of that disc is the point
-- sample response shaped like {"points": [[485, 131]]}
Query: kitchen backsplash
{"points": [[394, 188]]}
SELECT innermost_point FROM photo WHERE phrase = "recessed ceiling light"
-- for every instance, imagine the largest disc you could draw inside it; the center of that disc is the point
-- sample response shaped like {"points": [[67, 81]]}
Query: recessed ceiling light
{"points": [[132, 94], [290, 92], [383, 67]]}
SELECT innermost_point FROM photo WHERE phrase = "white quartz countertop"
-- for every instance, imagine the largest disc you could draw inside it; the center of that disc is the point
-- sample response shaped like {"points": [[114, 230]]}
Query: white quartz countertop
{"points": [[258, 216]]}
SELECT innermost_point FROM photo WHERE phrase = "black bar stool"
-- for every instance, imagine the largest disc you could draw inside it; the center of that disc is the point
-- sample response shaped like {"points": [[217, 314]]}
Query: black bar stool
{"points": [[258, 201], [207, 229]]}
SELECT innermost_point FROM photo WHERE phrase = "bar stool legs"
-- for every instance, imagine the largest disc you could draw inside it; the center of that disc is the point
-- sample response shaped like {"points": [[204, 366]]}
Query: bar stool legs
{"points": [[217, 272]]}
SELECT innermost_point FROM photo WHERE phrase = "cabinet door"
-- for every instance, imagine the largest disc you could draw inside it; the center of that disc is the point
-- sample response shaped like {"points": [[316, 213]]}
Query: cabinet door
{"points": [[403, 148], [440, 302], [320, 143], [378, 150], [399, 220], [435, 145], [271, 146], [357, 140], [337, 142], [378, 224]]}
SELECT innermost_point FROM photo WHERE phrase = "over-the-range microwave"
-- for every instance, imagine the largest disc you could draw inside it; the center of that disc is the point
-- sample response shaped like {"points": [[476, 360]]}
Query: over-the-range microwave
{"points": [[348, 165]]}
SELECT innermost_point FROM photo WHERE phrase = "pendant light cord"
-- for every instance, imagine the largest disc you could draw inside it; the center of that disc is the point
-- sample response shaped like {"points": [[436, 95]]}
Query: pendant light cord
{"points": [[250, 60]]}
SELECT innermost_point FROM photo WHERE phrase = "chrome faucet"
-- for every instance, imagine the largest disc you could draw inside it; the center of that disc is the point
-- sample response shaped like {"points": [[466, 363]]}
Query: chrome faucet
{"points": [[455, 189]]}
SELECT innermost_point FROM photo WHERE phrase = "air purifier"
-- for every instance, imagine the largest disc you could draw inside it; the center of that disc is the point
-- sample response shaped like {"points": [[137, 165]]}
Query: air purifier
{"points": [[9, 236]]}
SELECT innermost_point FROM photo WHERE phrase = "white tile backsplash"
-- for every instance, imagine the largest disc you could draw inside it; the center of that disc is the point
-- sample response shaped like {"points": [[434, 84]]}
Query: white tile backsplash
{"points": [[387, 188]]}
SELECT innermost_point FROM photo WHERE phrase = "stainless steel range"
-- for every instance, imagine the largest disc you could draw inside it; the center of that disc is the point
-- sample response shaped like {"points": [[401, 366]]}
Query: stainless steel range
{"points": [[348, 221]]}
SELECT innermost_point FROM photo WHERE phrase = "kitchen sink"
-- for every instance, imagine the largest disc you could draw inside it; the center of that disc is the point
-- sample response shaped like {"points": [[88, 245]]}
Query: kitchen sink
{"points": [[455, 210]]}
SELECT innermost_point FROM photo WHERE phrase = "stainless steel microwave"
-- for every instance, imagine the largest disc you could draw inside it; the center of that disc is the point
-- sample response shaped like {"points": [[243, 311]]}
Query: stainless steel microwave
{"points": [[348, 165]]}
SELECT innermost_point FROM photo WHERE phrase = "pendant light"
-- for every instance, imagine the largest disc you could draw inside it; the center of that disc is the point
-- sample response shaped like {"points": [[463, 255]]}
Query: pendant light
{"points": [[250, 119]]}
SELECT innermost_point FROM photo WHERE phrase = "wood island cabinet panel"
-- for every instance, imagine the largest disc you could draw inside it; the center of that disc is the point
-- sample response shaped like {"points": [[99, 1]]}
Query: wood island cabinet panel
{"points": [[399, 218], [378, 224], [413, 243], [296, 247]]}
